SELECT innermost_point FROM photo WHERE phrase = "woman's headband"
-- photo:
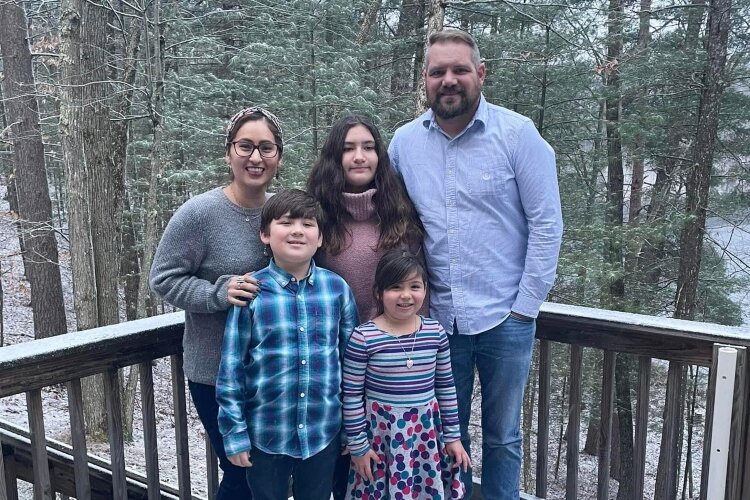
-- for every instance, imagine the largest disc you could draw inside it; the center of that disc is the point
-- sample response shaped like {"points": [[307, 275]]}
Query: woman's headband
{"points": [[261, 111]]}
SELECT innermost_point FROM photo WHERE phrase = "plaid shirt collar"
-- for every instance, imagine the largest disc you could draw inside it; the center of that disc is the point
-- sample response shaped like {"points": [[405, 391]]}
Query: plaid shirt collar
{"points": [[283, 278]]}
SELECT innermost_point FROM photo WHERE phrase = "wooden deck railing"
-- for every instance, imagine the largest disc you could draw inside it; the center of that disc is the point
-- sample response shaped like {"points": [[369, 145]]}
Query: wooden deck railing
{"points": [[30, 367]]}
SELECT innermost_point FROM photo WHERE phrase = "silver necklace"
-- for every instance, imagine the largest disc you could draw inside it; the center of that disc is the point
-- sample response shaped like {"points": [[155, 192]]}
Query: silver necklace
{"points": [[245, 210], [409, 361]]}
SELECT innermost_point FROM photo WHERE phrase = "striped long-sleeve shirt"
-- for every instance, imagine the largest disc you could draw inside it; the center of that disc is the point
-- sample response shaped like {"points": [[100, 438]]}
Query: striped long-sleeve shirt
{"points": [[375, 368], [279, 382]]}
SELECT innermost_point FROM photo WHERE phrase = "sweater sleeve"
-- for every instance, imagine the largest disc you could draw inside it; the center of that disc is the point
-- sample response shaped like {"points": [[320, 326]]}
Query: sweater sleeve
{"points": [[445, 391], [176, 262], [355, 367]]}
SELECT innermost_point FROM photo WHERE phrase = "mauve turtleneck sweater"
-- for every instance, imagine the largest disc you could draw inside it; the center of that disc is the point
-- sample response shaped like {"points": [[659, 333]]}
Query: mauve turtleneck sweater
{"points": [[360, 255], [357, 261]]}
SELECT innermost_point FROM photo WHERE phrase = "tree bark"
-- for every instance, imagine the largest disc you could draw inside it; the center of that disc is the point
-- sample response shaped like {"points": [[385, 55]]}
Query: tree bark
{"points": [[370, 15], [34, 206], [697, 186], [435, 17], [94, 181], [639, 142], [403, 49], [615, 178]]}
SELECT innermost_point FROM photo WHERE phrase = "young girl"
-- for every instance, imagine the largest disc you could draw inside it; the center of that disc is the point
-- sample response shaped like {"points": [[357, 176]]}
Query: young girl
{"points": [[400, 409], [366, 205]]}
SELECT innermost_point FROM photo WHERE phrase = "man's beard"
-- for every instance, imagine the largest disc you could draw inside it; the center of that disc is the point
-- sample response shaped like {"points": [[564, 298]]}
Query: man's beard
{"points": [[463, 106]]}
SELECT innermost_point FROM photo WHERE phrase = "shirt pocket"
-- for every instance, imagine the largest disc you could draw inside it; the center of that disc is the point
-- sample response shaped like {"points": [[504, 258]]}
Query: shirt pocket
{"points": [[488, 177], [324, 325]]}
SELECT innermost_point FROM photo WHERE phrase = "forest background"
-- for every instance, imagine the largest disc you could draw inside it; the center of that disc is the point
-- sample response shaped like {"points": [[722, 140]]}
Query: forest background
{"points": [[113, 114]]}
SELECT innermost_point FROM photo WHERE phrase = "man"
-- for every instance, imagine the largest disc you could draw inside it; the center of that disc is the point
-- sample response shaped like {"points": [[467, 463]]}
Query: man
{"points": [[485, 186]]}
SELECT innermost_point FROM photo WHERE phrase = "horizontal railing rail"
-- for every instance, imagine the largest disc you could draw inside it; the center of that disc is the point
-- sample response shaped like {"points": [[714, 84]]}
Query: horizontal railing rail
{"points": [[31, 366]]}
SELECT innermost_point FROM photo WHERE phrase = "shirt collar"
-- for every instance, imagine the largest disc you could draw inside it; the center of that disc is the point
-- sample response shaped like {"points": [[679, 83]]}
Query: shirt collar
{"points": [[283, 278], [480, 117]]}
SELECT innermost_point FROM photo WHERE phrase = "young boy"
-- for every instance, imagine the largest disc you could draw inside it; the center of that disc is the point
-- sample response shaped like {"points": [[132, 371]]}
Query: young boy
{"points": [[279, 380]]}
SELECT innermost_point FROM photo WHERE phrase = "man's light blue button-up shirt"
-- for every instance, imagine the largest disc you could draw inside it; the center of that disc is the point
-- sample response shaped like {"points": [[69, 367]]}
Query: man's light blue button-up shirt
{"points": [[490, 204]]}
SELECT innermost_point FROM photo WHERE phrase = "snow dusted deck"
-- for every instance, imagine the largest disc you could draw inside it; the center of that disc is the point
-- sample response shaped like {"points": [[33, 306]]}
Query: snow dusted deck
{"points": [[32, 366]]}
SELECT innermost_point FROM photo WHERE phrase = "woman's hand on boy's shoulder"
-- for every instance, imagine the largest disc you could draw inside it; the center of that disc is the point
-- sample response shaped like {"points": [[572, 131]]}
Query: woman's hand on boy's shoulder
{"points": [[241, 459], [242, 289], [363, 465]]}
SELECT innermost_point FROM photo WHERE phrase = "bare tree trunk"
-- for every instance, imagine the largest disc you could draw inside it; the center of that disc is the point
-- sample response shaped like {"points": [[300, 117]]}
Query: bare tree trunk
{"points": [[94, 182], [34, 205], [615, 178], [404, 49], [697, 186], [636, 182], [129, 258], [370, 15], [435, 17]]}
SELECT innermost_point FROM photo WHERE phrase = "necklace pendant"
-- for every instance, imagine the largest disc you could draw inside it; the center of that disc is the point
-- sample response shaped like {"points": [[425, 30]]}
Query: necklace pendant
{"points": [[409, 363]]}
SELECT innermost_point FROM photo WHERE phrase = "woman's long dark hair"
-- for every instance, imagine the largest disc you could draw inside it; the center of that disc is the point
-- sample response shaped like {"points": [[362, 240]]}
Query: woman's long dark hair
{"points": [[398, 218]]}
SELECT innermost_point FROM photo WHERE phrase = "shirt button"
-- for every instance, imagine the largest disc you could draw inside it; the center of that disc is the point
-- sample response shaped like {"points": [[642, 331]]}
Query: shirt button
{"points": [[295, 279], [302, 328], [486, 176], [302, 394], [301, 426], [304, 362]]}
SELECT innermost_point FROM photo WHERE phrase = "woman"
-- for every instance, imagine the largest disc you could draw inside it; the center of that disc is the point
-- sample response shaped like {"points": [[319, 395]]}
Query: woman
{"points": [[204, 260]]}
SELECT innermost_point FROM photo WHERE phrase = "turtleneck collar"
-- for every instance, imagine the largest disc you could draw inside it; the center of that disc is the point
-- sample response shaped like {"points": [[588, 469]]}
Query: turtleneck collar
{"points": [[360, 205]]}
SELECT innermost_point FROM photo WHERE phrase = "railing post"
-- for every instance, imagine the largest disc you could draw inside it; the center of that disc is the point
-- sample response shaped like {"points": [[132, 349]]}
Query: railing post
{"points": [[542, 442], [734, 461], [605, 429], [3, 486], [722, 419], [641, 426], [78, 440], [42, 483], [574, 423]]}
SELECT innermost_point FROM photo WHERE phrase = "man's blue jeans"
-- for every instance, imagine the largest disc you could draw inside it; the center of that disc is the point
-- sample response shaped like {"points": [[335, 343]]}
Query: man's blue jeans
{"points": [[502, 356]]}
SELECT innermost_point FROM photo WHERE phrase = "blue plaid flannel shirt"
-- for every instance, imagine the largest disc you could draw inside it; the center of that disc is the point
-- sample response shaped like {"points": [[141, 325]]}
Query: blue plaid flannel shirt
{"points": [[279, 381]]}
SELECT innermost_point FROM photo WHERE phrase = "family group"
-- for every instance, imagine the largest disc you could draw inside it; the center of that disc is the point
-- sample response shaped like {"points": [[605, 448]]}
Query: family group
{"points": [[332, 335]]}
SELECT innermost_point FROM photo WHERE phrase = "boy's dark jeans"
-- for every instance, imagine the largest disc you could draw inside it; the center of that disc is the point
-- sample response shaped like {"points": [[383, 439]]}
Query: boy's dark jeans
{"points": [[311, 478], [234, 482]]}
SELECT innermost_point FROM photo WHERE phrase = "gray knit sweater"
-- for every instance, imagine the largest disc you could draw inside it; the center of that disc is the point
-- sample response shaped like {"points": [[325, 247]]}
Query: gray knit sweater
{"points": [[208, 240]]}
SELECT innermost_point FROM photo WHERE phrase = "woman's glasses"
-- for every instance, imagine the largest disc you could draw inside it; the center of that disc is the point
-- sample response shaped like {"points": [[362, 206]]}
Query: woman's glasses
{"points": [[266, 149]]}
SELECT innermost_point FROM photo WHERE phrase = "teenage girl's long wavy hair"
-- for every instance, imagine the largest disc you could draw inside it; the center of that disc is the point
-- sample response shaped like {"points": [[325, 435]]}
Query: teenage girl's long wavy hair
{"points": [[399, 223]]}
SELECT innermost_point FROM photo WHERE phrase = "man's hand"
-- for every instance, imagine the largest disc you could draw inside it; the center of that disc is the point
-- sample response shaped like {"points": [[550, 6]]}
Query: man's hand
{"points": [[241, 459], [460, 458], [521, 317], [363, 466]]}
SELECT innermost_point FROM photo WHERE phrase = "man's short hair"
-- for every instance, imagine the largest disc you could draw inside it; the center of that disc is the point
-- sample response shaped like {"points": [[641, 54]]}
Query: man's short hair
{"points": [[295, 202], [455, 36]]}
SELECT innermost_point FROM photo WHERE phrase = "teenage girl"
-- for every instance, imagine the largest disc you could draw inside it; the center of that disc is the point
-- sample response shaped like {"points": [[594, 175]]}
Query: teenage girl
{"points": [[204, 260], [366, 206], [400, 409]]}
